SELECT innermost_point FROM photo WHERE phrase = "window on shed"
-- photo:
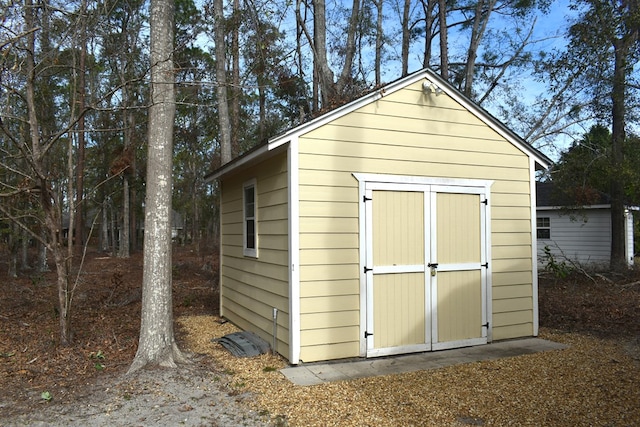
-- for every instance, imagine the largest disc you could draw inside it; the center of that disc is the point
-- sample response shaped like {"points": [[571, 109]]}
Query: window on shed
{"points": [[250, 226], [544, 227]]}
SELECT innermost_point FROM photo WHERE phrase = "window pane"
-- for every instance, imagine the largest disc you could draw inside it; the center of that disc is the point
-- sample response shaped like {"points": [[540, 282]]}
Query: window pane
{"points": [[251, 234], [544, 233], [249, 202], [543, 222]]}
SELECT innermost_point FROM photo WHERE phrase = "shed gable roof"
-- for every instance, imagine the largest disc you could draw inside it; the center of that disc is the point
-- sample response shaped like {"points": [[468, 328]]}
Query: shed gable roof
{"points": [[429, 76]]}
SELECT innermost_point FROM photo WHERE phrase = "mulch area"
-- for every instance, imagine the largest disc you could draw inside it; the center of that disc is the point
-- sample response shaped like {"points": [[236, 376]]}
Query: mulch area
{"points": [[594, 382]]}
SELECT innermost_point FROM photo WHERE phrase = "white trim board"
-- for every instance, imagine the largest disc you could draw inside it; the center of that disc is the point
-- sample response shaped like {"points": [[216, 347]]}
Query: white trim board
{"points": [[294, 253]]}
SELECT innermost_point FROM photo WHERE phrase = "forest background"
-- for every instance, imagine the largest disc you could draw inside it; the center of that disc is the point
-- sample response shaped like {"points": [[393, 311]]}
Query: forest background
{"points": [[75, 95]]}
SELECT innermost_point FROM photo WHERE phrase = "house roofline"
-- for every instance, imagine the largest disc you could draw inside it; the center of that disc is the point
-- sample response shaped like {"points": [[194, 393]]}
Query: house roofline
{"points": [[603, 206]]}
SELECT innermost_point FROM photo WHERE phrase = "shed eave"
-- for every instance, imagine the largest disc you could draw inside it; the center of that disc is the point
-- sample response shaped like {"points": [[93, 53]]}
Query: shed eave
{"points": [[257, 154]]}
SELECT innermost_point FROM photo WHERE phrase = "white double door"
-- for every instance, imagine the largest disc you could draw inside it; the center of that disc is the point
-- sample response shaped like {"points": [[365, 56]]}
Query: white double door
{"points": [[426, 267]]}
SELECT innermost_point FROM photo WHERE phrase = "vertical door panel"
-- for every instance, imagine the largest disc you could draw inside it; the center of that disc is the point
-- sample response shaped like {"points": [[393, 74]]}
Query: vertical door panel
{"points": [[398, 290], [458, 228], [399, 310], [458, 290], [398, 228], [459, 305]]}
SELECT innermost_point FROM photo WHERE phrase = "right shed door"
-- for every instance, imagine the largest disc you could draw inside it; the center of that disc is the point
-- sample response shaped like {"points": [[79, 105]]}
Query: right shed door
{"points": [[458, 285]]}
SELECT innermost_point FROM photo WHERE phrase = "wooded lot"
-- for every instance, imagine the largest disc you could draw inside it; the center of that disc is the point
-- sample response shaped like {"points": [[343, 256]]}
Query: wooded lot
{"points": [[76, 94]]}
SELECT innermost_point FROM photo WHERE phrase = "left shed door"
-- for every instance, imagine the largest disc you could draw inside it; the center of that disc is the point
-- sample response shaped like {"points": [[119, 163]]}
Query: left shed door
{"points": [[399, 302]]}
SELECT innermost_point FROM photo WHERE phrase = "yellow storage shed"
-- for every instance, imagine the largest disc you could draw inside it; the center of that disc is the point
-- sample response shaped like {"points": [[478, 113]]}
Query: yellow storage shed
{"points": [[401, 222]]}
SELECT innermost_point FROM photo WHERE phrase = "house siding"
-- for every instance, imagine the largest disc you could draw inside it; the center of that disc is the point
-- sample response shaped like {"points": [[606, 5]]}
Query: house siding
{"points": [[404, 133], [250, 288], [582, 236]]}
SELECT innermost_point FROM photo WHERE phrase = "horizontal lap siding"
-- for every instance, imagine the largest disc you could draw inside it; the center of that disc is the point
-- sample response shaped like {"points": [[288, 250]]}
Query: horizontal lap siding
{"points": [[405, 133], [251, 287], [582, 236], [511, 252], [329, 258]]}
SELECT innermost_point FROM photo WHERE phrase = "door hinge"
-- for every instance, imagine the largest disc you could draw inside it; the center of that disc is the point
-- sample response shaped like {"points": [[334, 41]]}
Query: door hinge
{"points": [[486, 325], [366, 270], [485, 202], [366, 199], [367, 334], [485, 265]]}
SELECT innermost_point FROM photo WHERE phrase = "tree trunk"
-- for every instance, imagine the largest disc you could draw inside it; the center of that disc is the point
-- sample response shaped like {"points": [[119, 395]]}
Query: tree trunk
{"points": [[196, 236], [43, 265], [406, 37], [13, 265], [157, 343], [133, 195], [123, 251], [350, 51], [302, 30], [79, 231], [24, 257], [324, 75], [128, 120], [621, 53], [65, 292], [104, 227], [480, 21], [114, 228], [235, 79], [444, 43], [221, 77], [133, 218], [379, 41], [428, 7], [48, 201], [12, 244]]}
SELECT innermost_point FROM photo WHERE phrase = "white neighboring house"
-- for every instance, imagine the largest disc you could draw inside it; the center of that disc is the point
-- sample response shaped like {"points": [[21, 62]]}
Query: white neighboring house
{"points": [[579, 235]]}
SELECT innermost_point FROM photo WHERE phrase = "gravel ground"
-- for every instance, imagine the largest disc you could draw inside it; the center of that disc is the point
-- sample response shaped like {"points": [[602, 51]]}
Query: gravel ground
{"points": [[594, 382], [195, 395]]}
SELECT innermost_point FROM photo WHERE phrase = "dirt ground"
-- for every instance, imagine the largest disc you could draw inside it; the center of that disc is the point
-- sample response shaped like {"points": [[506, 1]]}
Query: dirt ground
{"points": [[42, 383], [594, 382]]}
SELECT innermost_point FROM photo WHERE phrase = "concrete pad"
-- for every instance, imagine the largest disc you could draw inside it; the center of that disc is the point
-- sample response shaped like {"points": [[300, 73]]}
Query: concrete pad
{"points": [[319, 373]]}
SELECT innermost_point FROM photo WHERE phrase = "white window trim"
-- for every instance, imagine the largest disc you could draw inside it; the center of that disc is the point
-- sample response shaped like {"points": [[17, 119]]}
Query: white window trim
{"points": [[542, 227], [250, 252]]}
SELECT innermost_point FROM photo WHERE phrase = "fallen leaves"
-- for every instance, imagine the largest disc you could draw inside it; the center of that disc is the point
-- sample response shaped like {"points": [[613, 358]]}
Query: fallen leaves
{"points": [[591, 383], [594, 382]]}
